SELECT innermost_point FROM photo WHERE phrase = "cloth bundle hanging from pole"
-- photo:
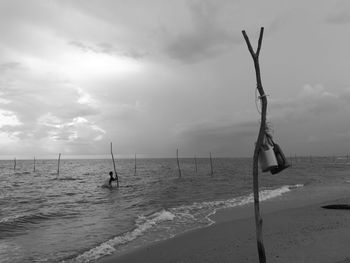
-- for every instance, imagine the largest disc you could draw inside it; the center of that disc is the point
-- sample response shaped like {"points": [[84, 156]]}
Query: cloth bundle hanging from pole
{"points": [[271, 157]]}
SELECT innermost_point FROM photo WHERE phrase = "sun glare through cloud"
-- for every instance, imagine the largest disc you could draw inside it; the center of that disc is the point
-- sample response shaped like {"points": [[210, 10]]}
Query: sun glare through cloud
{"points": [[81, 65]]}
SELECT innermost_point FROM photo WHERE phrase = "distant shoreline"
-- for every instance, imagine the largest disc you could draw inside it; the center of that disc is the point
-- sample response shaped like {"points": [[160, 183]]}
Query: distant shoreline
{"points": [[28, 157]]}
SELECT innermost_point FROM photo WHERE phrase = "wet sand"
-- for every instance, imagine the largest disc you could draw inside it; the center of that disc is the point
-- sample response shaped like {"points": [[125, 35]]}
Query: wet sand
{"points": [[293, 231]]}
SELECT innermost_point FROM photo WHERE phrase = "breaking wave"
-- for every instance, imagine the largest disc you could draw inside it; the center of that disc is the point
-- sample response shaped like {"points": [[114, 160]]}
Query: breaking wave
{"points": [[170, 222]]}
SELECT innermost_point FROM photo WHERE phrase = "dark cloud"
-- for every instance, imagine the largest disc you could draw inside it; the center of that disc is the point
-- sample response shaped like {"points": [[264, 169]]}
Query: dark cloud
{"points": [[207, 38], [107, 48], [110, 49], [340, 13], [342, 17], [10, 66], [81, 46], [226, 139]]}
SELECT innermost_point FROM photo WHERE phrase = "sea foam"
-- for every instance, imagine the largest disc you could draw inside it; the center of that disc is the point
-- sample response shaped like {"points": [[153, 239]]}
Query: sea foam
{"points": [[142, 224], [176, 220]]}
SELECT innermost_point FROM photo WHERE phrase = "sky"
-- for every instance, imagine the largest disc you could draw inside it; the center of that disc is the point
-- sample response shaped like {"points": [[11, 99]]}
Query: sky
{"points": [[153, 76]]}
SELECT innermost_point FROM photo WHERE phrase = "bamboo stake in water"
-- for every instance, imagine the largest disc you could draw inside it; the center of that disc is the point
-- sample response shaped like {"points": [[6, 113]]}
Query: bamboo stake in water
{"points": [[195, 163], [58, 163], [115, 171], [178, 163], [135, 165], [211, 165]]}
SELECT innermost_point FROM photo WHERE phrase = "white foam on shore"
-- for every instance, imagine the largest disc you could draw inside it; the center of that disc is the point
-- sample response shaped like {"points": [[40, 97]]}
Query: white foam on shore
{"points": [[185, 217], [143, 223], [211, 207]]}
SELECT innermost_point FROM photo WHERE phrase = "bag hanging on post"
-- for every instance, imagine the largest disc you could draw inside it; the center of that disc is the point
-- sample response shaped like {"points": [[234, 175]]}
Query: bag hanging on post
{"points": [[281, 159], [267, 158]]}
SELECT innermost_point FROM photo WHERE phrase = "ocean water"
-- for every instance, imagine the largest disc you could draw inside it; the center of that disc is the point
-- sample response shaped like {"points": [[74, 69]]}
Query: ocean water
{"points": [[72, 217]]}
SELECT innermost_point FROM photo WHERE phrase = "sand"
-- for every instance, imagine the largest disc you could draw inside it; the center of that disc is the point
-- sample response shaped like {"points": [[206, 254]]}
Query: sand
{"points": [[293, 231]]}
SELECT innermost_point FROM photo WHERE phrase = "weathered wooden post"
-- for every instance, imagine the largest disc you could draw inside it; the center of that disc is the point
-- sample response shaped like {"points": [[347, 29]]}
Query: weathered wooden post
{"points": [[258, 219], [290, 161], [115, 171], [178, 163], [58, 163], [195, 163], [211, 165], [135, 165]]}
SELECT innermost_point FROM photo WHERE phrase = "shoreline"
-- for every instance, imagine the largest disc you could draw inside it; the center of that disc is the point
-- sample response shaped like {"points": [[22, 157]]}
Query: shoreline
{"points": [[296, 229]]}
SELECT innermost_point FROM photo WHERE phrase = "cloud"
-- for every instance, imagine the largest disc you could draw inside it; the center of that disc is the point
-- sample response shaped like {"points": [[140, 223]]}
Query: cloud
{"points": [[38, 108], [77, 130], [224, 137], [340, 14], [310, 102], [313, 120], [8, 118], [10, 66], [342, 17], [206, 38], [107, 48], [56, 133]]}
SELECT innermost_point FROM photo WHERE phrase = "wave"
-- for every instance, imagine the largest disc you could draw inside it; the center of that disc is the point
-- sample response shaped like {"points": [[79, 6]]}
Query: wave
{"points": [[170, 222], [31, 218], [21, 173], [16, 223], [66, 179], [142, 224]]}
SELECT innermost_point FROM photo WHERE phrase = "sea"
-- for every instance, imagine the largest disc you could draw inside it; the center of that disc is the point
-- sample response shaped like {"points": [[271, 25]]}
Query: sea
{"points": [[74, 217]]}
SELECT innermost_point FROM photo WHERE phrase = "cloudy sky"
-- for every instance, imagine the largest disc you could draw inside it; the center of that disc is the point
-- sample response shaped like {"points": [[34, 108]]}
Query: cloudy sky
{"points": [[152, 76]]}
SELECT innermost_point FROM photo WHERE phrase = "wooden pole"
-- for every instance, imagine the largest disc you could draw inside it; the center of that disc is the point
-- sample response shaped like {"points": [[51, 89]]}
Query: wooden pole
{"points": [[34, 165], [290, 161], [14, 164], [178, 163], [211, 165], [135, 165], [195, 163], [258, 219], [115, 171], [58, 163]]}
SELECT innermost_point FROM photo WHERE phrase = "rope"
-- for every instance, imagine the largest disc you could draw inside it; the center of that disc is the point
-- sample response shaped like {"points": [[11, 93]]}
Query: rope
{"points": [[258, 98]]}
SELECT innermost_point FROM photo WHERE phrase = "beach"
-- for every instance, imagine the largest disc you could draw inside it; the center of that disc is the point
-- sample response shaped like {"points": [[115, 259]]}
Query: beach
{"points": [[296, 229]]}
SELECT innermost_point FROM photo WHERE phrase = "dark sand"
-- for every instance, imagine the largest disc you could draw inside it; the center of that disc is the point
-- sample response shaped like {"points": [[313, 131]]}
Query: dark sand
{"points": [[293, 231]]}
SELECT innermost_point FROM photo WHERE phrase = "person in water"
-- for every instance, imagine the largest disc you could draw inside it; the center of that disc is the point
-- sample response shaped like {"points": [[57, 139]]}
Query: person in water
{"points": [[111, 178]]}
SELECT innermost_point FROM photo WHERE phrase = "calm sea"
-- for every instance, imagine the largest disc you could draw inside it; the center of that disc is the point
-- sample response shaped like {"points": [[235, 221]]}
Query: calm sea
{"points": [[72, 217]]}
